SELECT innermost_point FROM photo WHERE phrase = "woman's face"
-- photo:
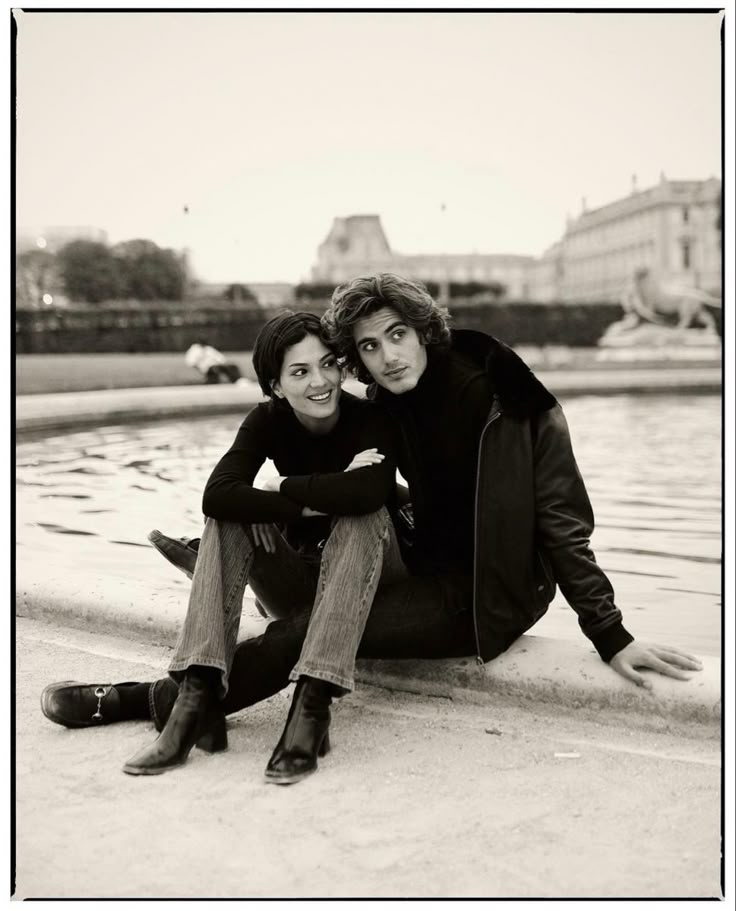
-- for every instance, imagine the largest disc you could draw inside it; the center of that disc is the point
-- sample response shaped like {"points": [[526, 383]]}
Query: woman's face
{"points": [[310, 382]]}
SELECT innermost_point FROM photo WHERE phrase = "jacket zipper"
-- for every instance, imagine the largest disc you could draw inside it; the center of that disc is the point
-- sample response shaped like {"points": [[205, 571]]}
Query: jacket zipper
{"points": [[478, 659]]}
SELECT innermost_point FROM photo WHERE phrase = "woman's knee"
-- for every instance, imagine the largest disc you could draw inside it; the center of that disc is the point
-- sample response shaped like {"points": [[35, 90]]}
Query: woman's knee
{"points": [[372, 523], [225, 542]]}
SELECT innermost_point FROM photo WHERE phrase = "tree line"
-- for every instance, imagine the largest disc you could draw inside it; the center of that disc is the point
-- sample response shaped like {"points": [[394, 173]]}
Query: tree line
{"points": [[91, 272]]}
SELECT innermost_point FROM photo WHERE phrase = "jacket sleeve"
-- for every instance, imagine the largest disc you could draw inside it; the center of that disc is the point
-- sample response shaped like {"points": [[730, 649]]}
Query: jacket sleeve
{"points": [[229, 494], [564, 525], [351, 493]]}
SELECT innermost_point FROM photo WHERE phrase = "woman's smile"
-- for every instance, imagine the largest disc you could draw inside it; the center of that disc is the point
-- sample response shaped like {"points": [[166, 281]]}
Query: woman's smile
{"points": [[320, 396]]}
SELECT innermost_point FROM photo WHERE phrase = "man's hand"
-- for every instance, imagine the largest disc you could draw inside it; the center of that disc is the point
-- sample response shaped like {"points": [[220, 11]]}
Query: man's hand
{"points": [[664, 659], [365, 458], [265, 536]]}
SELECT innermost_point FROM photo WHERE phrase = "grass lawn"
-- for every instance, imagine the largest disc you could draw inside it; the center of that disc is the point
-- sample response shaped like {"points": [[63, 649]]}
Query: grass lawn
{"points": [[37, 373]]}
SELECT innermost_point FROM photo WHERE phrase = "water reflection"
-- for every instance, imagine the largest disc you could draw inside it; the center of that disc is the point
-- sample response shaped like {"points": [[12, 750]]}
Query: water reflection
{"points": [[652, 465]]}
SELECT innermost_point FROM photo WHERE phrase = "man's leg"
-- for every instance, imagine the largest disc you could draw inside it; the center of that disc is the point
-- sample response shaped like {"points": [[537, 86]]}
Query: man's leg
{"points": [[410, 617], [417, 617]]}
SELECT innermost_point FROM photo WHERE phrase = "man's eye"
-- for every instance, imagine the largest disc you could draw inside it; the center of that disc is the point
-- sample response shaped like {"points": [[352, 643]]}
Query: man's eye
{"points": [[368, 347], [399, 333], [299, 373]]}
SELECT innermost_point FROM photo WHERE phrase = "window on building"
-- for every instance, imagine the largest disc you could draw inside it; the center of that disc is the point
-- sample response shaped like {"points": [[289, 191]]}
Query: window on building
{"points": [[685, 254], [685, 214]]}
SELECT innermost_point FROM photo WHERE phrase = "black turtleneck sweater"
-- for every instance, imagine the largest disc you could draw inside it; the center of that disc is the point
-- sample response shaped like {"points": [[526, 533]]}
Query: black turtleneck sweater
{"points": [[440, 422], [313, 465]]}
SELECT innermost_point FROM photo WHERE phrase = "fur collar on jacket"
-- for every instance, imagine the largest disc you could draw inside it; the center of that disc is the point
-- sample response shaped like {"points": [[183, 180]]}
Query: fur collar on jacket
{"points": [[519, 392]]}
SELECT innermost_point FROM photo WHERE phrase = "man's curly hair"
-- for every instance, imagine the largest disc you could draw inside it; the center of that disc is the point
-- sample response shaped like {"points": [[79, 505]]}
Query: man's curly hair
{"points": [[363, 296]]}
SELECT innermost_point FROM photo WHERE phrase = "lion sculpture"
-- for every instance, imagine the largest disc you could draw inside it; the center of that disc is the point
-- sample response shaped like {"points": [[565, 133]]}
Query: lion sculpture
{"points": [[647, 300]]}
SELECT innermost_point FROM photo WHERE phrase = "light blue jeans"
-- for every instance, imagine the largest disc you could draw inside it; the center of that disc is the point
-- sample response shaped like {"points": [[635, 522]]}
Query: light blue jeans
{"points": [[361, 553]]}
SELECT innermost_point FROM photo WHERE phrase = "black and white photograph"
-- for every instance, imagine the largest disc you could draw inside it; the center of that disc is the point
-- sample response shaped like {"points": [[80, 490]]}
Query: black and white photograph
{"points": [[371, 384]]}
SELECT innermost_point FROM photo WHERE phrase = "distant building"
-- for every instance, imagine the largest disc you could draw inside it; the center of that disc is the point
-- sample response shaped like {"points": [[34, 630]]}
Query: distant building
{"points": [[270, 295], [671, 228], [53, 239], [357, 245]]}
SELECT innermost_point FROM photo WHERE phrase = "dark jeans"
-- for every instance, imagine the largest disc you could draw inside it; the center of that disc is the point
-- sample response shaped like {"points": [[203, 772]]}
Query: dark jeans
{"points": [[415, 617]]}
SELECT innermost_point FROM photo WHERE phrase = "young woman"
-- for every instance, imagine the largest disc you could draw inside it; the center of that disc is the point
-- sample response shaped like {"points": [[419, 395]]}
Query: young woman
{"points": [[294, 540]]}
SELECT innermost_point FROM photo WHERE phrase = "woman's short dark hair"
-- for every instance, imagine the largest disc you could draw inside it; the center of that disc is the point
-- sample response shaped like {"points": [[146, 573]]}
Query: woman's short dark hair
{"points": [[363, 296], [285, 329]]}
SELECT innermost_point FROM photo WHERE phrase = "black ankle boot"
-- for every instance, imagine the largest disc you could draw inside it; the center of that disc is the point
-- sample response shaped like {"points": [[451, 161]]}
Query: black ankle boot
{"points": [[196, 718], [306, 734]]}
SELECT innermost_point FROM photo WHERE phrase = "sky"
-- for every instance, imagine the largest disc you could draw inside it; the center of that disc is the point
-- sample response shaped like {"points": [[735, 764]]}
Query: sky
{"points": [[465, 132]]}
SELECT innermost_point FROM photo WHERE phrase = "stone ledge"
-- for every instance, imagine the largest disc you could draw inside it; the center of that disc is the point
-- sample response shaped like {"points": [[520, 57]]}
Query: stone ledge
{"points": [[64, 410], [538, 670]]}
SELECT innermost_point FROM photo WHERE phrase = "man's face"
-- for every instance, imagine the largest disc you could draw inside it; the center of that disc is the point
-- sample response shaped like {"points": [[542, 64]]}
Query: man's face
{"points": [[390, 350]]}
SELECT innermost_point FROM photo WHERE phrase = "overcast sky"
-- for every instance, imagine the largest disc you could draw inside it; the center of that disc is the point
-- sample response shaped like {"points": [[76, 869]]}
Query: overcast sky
{"points": [[267, 125]]}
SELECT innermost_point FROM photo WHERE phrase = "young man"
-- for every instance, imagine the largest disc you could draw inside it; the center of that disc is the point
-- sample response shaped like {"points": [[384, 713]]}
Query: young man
{"points": [[485, 448], [501, 513]]}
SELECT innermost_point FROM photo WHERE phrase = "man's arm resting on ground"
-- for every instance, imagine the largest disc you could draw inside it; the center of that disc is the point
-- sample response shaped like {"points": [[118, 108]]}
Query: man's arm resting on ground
{"points": [[664, 659], [565, 523]]}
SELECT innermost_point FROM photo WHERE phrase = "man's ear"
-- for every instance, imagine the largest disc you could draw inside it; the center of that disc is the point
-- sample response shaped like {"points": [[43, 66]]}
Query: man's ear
{"points": [[276, 389]]}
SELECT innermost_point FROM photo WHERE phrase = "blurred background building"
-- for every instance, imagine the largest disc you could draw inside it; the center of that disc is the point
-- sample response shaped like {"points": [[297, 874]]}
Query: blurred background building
{"points": [[269, 295], [357, 245], [673, 229]]}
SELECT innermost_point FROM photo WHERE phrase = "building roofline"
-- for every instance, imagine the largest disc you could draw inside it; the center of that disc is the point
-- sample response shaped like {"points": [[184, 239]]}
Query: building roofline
{"points": [[652, 196]]}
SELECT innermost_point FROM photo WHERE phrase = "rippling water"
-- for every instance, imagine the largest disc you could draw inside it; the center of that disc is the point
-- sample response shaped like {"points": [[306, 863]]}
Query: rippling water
{"points": [[651, 464]]}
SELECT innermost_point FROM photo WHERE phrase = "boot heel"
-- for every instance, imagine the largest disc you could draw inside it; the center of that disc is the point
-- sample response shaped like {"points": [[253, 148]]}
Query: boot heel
{"points": [[325, 747], [215, 739]]}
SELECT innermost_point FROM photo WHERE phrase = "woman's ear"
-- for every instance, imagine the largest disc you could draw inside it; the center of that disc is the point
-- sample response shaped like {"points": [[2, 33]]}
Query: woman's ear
{"points": [[276, 389]]}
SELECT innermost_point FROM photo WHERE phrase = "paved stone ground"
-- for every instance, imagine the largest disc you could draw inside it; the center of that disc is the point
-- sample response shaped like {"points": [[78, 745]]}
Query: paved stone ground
{"points": [[419, 798]]}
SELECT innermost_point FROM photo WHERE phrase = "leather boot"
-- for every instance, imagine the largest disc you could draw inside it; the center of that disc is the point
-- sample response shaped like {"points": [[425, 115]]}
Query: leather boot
{"points": [[306, 734], [196, 718]]}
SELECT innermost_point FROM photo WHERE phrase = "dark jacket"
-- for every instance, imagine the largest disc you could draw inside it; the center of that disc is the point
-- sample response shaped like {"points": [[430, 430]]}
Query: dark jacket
{"points": [[533, 518]]}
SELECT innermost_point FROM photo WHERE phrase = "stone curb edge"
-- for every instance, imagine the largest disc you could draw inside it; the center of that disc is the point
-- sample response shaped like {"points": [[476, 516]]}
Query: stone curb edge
{"points": [[536, 671], [60, 411]]}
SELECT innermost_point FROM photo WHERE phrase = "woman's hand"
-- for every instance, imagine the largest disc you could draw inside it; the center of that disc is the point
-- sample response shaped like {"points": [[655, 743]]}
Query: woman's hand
{"points": [[307, 511], [365, 458], [273, 484], [265, 536], [664, 659]]}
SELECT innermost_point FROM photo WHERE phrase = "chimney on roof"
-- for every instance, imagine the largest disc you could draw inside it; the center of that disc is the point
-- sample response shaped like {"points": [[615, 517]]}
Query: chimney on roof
{"points": [[662, 177], [633, 183], [584, 204]]}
